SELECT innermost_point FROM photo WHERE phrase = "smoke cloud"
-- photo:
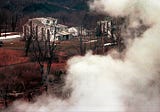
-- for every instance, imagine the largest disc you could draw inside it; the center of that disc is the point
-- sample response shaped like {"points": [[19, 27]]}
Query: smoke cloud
{"points": [[101, 83]]}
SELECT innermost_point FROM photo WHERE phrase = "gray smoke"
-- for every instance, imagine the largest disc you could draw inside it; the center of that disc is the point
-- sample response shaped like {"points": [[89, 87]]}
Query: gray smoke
{"points": [[101, 83]]}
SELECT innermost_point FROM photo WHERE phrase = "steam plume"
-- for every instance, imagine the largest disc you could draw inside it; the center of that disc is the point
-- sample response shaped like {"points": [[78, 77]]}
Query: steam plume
{"points": [[101, 83]]}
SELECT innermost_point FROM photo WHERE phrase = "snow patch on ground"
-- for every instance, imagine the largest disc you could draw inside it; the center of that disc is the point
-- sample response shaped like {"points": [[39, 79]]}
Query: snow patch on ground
{"points": [[10, 37]]}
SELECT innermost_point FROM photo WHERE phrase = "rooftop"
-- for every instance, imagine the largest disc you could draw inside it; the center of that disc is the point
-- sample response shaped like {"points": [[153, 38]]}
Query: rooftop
{"points": [[44, 21]]}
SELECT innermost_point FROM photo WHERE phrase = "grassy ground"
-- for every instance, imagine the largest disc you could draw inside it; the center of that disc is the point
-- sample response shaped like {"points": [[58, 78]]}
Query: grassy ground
{"points": [[10, 57], [14, 44], [19, 73]]}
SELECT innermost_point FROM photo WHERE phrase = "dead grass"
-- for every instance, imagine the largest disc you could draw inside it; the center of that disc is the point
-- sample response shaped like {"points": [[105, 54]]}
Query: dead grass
{"points": [[18, 74], [15, 43], [8, 57]]}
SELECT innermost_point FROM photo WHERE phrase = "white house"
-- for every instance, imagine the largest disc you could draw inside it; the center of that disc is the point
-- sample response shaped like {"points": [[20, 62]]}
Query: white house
{"points": [[74, 31], [45, 28]]}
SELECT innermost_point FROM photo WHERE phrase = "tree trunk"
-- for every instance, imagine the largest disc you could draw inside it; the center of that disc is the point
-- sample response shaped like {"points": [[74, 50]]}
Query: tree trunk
{"points": [[0, 32], [44, 74], [29, 39]]}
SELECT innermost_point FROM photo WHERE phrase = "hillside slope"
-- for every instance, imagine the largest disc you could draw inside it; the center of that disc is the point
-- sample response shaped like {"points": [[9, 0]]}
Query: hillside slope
{"points": [[69, 12]]}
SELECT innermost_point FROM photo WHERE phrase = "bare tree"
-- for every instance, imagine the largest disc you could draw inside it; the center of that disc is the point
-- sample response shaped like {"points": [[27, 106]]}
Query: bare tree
{"points": [[14, 20], [42, 51], [28, 39], [4, 16], [82, 45]]}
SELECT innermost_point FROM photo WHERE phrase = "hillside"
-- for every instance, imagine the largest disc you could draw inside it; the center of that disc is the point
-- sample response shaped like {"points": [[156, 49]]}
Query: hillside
{"points": [[69, 12], [43, 6]]}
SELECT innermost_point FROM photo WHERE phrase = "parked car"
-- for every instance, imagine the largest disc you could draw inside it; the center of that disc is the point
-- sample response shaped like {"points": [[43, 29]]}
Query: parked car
{"points": [[1, 43]]}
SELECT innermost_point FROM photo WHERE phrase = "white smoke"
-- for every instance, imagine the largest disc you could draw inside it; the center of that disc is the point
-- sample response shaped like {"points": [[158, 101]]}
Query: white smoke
{"points": [[147, 10], [101, 83], [113, 7]]}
